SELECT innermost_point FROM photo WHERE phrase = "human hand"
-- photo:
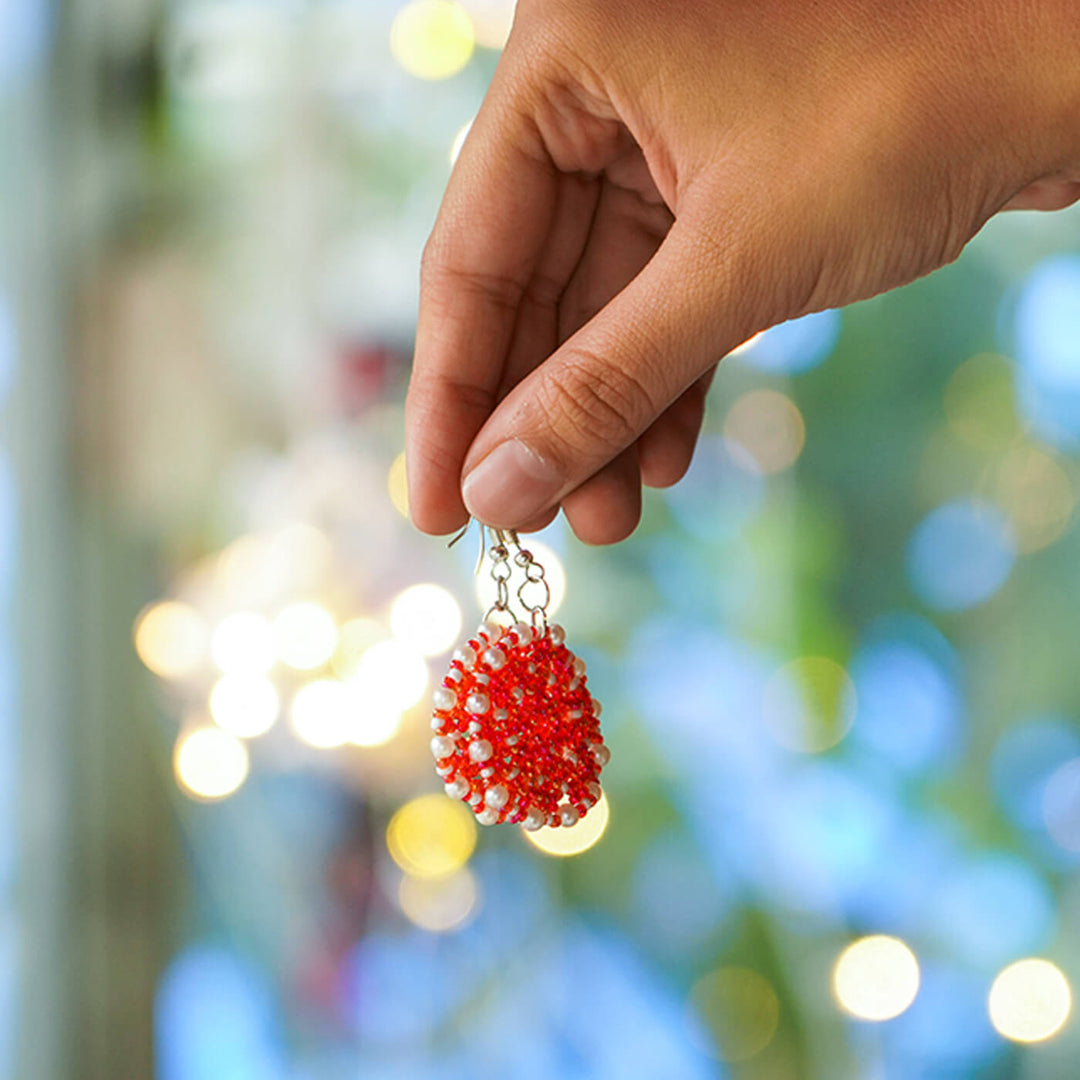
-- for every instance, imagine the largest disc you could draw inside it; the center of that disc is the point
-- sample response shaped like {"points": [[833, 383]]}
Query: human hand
{"points": [[647, 185]]}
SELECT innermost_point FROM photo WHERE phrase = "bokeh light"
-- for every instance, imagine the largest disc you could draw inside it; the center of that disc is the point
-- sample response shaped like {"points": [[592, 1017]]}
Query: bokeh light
{"points": [[427, 618], [961, 554], [355, 637], [1025, 757], [322, 713], [720, 493], [809, 704], [244, 705], [305, 635], [769, 425], [431, 836], [1030, 1001], [793, 347], [439, 904], [876, 978], [564, 842], [554, 575], [209, 763], [391, 675], [432, 39], [243, 644], [397, 485], [740, 1010], [980, 402], [171, 639], [1061, 805], [1035, 491], [372, 723]]}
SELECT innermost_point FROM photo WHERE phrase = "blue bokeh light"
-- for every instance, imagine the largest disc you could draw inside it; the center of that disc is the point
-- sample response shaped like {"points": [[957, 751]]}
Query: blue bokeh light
{"points": [[8, 347], [1024, 758], [793, 347], [909, 706], [960, 554], [721, 492], [1046, 339], [991, 910], [214, 1019]]}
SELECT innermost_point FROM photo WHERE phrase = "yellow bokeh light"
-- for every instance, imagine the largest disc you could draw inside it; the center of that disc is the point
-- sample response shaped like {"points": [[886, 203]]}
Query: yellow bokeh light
{"points": [[1030, 1001], [876, 978], [305, 636], [391, 676], [243, 644], [980, 402], [244, 705], [426, 617], [432, 39], [397, 485], [439, 904], [171, 639], [322, 713], [573, 841], [769, 426], [1035, 491], [491, 19], [455, 153], [372, 725], [431, 836], [809, 704], [354, 639], [554, 575], [209, 763], [739, 1008]]}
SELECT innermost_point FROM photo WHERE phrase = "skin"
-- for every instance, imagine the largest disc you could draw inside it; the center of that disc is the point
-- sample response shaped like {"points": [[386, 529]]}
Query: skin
{"points": [[647, 185]]}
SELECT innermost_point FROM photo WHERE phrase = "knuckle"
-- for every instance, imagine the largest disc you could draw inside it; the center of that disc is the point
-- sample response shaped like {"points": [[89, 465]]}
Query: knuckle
{"points": [[594, 402]]}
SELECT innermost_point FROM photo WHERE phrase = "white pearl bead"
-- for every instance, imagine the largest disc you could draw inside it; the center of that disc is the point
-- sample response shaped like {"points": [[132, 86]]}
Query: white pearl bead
{"points": [[454, 675], [573, 685], [488, 816], [437, 723], [568, 815], [444, 698], [489, 771], [494, 658], [466, 655], [574, 714], [579, 666], [517, 693], [445, 770], [442, 746], [556, 633], [478, 704], [534, 819], [594, 789], [601, 753], [490, 630], [500, 715], [458, 788], [512, 741], [482, 678], [496, 797], [523, 631], [597, 708], [474, 727], [480, 750], [551, 679], [475, 798]]}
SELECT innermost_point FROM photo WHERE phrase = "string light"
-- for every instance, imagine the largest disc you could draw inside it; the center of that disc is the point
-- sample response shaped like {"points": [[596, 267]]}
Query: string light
{"points": [[243, 644], [322, 713], [439, 904], [171, 639], [573, 841], [426, 617], [876, 978], [1029, 1001], [391, 675], [244, 705], [209, 763], [305, 635]]}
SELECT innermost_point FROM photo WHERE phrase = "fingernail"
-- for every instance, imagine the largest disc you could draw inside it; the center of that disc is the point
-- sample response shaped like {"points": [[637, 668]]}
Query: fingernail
{"points": [[511, 485]]}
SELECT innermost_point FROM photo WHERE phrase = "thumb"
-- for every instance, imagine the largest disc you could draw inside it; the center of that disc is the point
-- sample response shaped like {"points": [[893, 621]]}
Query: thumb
{"points": [[606, 384]]}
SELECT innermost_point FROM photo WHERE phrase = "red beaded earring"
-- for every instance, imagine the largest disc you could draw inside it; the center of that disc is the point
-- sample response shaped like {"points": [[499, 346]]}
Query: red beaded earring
{"points": [[517, 733]]}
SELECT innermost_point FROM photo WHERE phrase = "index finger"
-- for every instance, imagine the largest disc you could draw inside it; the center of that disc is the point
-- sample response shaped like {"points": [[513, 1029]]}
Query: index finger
{"points": [[486, 242]]}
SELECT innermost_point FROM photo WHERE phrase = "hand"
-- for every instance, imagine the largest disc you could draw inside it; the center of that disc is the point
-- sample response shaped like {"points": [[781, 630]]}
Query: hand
{"points": [[649, 184]]}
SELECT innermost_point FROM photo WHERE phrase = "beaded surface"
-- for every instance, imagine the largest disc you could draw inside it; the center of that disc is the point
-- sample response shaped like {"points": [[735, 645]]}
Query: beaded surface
{"points": [[516, 731]]}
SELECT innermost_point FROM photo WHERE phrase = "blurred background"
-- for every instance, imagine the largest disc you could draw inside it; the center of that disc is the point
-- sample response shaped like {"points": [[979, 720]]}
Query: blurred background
{"points": [[838, 662]]}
